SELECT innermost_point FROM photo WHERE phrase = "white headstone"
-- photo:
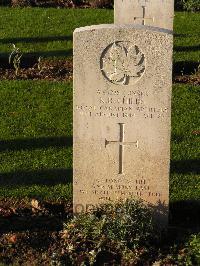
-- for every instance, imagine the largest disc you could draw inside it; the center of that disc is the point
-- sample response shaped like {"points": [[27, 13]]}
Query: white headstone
{"points": [[157, 13], [122, 114]]}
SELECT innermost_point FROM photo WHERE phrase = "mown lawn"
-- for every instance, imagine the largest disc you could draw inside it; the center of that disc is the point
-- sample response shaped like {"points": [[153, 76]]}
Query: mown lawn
{"points": [[48, 32], [185, 144], [36, 117], [36, 139], [187, 37], [45, 32]]}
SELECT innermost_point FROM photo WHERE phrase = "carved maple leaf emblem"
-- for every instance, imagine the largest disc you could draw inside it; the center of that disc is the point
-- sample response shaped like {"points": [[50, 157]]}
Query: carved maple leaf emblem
{"points": [[121, 63]]}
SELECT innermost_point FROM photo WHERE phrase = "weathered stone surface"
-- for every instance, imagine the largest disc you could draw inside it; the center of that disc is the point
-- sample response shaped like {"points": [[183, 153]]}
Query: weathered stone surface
{"points": [[157, 13], [122, 95]]}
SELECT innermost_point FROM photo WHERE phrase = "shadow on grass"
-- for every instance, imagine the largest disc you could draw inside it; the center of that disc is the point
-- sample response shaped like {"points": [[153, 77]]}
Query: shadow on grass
{"points": [[185, 35], [35, 143], [185, 166], [30, 59], [185, 213], [187, 48], [160, 212], [177, 138], [185, 67], [47, 177], [35, 39]]}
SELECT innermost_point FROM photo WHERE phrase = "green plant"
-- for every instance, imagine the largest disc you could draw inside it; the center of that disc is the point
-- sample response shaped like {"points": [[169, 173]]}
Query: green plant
{"points": [[191, 5], [187, 253], [188, 5], [101, 3], [191, 253], [178, 4], [15, 58], [118, 230], [39, 65], [21, 3]]}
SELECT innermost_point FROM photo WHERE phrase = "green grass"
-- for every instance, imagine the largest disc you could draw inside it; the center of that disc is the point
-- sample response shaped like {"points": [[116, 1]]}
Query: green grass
{"points": [[48, 32], [187, 37], [185, 146], [36, 117], [36, 139]]}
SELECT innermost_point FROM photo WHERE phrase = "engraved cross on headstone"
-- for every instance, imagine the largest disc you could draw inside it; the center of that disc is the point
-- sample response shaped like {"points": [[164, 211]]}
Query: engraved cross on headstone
{"points": [[121, 144], [143, 2], [143, 18]]}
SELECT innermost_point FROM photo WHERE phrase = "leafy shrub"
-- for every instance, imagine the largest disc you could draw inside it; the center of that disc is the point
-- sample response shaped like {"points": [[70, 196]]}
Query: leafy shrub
{"points": [[193, 251], [187, 253], [46, 3], [188, 5], [178, 4], [5, 2], [118, 231], [59, 3], [191, 5], [101, 3]]}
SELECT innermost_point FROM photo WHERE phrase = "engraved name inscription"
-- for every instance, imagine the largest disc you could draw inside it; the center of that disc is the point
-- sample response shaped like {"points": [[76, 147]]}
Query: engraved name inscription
{"points": [[122, 63]]}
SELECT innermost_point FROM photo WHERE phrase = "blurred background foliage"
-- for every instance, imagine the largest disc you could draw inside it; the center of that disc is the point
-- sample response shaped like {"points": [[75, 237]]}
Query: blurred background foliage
{"points": [[187, 5]]}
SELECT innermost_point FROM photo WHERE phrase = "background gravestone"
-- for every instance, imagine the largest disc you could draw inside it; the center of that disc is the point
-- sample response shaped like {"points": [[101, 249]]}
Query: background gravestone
{"points": [[158, 13], [122, 108]]}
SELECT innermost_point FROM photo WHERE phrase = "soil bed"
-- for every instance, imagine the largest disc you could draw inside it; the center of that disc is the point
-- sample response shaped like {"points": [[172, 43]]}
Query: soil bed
{"points": [[188, 79], [52, 70], [62, 70], [30, 231]]}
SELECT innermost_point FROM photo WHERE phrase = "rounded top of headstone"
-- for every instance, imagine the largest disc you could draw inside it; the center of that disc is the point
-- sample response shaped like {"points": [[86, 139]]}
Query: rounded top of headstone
{"points": [[122, 26]]}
